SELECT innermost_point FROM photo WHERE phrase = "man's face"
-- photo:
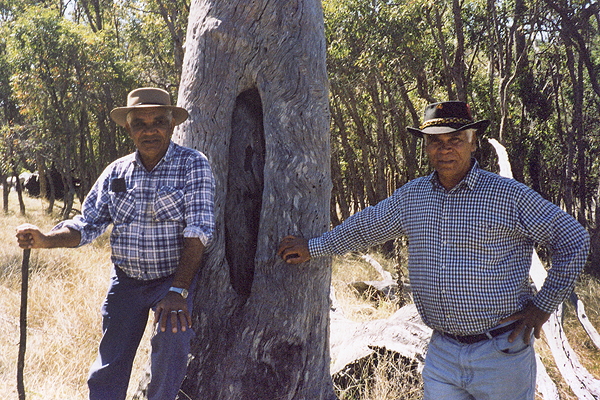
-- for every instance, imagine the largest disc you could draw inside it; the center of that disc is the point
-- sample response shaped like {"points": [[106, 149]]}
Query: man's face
{"points": [[450, 156], [151, 130]]}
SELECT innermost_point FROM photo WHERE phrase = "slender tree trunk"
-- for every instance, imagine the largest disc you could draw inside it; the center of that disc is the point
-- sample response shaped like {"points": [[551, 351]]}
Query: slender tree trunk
{"points": [[578, 127], [458, 66], [363, 140], [41, 167], [438, 36], [381, 144], [253, 72], [19, 189]]}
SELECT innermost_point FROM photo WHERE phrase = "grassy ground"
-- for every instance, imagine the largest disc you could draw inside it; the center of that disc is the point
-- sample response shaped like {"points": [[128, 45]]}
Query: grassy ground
{"points": [[67, 287]]}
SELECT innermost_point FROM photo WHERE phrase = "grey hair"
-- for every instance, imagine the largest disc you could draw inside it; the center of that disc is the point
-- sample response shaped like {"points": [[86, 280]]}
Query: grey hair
{"points": [[470, 134]]}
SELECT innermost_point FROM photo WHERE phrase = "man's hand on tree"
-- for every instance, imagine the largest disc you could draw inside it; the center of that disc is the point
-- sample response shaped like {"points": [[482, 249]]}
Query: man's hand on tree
{"points": [[294, 250]]}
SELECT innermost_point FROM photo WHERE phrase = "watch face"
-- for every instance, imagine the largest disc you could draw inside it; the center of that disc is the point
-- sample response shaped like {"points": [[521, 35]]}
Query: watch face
{"points": [[181, 291]]}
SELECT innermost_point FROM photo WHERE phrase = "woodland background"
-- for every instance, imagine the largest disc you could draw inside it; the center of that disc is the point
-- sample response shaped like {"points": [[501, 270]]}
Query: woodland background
{"points": [[531, 67]]}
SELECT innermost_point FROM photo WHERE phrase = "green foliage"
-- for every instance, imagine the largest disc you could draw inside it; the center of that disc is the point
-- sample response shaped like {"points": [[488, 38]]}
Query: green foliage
{"points": [[522, 66]]}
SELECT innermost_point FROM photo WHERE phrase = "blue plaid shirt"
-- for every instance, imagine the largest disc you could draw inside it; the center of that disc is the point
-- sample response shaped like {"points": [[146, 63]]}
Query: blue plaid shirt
{"points": [[470, 248], [151, 212]]}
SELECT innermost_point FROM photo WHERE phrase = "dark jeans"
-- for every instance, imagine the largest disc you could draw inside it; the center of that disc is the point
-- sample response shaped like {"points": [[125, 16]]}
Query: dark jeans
{"points": [[124, 317]]}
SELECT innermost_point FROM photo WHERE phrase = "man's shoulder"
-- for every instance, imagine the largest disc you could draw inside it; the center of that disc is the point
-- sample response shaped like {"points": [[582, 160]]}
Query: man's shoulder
{"points": [[119, 164], [491, 179], [188, 153], [417, 184]]}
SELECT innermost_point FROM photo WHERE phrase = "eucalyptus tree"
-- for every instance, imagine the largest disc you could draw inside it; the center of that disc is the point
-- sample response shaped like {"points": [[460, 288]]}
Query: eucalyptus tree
{"points": [[255, 84]]}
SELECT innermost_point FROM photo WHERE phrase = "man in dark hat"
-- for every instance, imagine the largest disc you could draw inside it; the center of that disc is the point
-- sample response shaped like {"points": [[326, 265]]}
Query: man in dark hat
{"points": [[160, 202], [471, 235]]}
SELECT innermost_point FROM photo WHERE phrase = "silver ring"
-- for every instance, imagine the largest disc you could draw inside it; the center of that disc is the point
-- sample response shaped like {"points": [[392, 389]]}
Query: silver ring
{"points": [[173, 312], [179, 311]]}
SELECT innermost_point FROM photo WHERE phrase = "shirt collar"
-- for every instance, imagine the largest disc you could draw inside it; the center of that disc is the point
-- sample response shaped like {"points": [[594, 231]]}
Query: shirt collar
{"points": [[468, 181], [166, 158]]}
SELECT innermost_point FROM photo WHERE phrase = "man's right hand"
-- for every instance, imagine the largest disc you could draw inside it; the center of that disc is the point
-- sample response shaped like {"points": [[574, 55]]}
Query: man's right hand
{"points": [[294, 250], [30, 237]]}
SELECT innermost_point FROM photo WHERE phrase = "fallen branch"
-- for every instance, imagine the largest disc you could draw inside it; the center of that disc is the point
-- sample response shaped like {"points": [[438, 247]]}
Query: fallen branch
{"points": [[583, 384], [544, 383], [584, 320], [403, 333]]}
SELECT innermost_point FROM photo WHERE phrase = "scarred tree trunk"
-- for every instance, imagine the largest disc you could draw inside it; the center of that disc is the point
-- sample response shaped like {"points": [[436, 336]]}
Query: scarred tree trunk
{"points": [[255, 83]]}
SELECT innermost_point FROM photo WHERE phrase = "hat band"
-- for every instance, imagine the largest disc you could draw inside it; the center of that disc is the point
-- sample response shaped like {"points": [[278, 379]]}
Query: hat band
{"points": [[150, 104], [445, 121]]}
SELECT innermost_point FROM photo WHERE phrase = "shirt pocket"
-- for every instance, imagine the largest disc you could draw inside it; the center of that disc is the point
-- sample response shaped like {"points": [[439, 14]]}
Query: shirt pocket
{"points": [[169, 204], [491, 241], [122, 207]]}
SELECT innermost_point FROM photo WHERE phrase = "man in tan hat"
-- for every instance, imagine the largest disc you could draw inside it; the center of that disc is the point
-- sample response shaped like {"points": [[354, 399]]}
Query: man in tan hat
{"points": [[471, 235], [160, 202]]}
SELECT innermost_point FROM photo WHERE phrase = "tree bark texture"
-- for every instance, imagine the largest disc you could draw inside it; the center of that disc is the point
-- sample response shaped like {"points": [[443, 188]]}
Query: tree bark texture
{"points": [[255, 84]]}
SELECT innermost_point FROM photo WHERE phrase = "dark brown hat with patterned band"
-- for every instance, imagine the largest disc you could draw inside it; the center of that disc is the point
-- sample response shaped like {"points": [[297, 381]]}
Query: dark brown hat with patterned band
{"points": [[148, 98], [448, 117]]}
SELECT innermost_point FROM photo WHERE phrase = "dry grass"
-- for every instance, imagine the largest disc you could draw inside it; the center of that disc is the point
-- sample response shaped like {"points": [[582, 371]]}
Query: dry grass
{"points": [[384, 376], [66, 289]]}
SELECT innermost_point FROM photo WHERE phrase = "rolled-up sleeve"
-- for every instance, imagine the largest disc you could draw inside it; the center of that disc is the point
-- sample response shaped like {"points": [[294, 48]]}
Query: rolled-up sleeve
{"points": [[199, 200], [95, 216]]}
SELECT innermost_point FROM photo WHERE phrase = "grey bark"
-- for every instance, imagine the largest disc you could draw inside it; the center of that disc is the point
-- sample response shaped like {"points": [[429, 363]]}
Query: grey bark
{"points": [[255, 84]]}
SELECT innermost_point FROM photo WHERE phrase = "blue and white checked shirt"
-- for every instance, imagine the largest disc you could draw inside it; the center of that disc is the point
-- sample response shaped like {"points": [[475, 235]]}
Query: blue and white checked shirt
{"points": [[470, 248], [151, 212]]}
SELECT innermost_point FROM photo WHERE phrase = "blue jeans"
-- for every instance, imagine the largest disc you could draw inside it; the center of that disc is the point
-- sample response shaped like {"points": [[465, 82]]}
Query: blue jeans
{"points": [[125, 314], [489, 370]]}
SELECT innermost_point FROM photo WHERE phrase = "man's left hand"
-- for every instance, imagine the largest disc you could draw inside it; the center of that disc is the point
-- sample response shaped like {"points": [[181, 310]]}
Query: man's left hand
{"points": [[173, 306], [530, 318]]}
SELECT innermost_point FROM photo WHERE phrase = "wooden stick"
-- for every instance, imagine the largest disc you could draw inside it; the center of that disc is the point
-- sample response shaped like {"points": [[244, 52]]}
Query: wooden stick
{"points": [[23, 323]]}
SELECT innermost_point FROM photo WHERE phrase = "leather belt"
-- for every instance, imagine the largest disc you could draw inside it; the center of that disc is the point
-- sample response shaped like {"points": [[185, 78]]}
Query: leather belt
{"points": [[470, 339]]}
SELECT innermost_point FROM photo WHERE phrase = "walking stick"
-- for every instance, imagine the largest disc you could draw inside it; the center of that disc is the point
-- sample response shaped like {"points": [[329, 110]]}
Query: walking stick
{"points": [[23, 323]]}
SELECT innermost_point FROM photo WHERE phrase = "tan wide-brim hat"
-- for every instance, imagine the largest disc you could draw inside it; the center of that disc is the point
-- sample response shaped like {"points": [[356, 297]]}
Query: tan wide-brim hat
{"points": [[148, 97]]}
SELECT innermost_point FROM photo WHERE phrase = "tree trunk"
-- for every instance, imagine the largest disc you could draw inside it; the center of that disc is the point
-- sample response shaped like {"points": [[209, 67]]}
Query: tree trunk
{"points": [[41, 167], [5, 192], [19, 190], [255, 84], [458, 67]]}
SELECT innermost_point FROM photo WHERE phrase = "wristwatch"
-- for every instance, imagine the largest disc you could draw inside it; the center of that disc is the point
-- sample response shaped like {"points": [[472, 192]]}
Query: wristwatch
{"points": [[181, 291]]}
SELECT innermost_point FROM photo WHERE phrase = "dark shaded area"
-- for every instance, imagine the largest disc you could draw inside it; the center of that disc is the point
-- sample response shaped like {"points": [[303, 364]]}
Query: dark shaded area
{"points": [[245, 184], [273, 376], [54, 184]]}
